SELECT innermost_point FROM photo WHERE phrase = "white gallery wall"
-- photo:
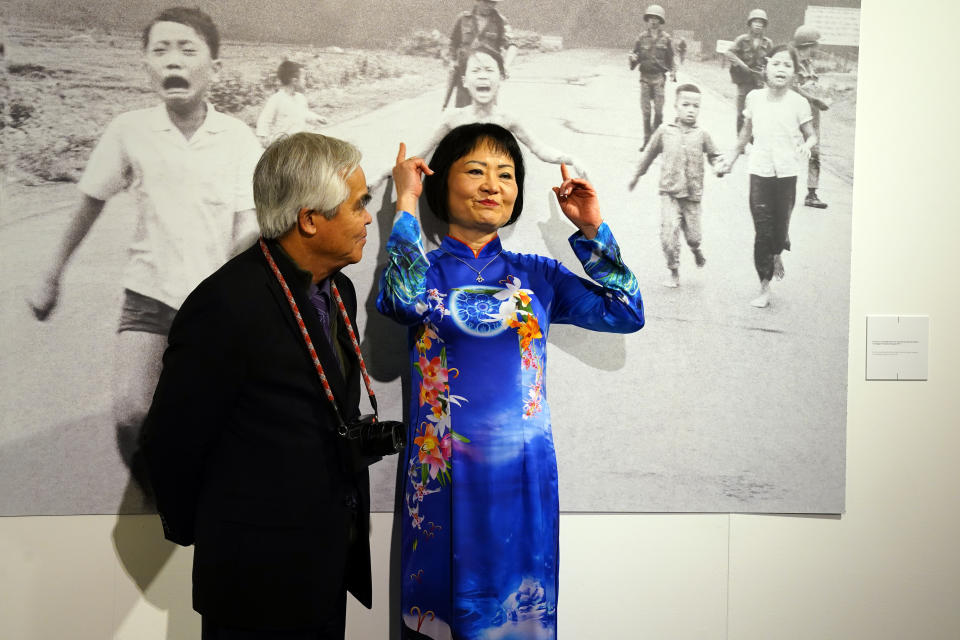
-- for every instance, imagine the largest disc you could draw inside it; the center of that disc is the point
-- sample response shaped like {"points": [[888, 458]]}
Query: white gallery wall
{"points": [[888, 568]]}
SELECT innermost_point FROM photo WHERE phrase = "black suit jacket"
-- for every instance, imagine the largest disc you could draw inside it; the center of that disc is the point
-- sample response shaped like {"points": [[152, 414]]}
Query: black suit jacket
{"points": [[243, 456]]}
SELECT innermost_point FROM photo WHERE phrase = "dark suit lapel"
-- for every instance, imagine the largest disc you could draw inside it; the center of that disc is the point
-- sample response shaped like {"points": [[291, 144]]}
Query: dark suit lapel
{"points": [[351, 365], [351, 362]]}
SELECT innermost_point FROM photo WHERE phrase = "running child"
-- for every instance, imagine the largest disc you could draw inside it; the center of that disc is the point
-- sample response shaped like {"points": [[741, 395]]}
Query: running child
{"points": [[683, 145], [190, 171], [286, 112], [780, 122]]}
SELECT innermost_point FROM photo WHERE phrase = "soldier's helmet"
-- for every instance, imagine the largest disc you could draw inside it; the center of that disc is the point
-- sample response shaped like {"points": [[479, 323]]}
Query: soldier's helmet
{"points": [[758, 14], [656, 11], [805, 36]]}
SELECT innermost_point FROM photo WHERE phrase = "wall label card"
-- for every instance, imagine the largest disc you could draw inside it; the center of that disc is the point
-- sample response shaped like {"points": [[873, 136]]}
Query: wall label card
{"points": [[897, 347]]}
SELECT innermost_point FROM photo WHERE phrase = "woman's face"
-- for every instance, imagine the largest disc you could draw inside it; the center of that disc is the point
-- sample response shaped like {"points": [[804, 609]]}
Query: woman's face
{"points": [[481, 189], [481, 78], [780, 69]]}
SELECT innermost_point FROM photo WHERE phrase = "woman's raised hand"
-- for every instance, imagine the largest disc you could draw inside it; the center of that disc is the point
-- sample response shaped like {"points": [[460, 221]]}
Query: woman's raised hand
{"points": [[408, 179], [579, 203]]}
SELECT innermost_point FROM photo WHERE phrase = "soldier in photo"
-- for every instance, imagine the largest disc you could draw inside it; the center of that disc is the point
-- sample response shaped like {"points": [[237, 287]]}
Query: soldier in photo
{"points": [[485, 26], [805, 40], [653, 53], [746, 56]]}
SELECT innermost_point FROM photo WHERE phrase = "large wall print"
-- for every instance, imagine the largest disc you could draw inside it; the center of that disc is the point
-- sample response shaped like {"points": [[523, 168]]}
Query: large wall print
{"points": [[716, 405]]}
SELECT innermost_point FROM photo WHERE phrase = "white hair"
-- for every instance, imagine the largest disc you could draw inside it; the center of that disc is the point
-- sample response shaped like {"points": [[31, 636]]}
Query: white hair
{"points": [[302, 171]]}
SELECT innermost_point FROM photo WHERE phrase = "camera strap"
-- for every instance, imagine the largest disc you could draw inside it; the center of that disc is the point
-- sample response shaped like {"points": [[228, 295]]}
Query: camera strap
{"points": [[342, 429]]}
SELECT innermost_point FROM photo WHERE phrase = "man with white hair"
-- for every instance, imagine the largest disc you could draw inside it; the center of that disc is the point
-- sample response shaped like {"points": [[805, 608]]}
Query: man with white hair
{"points": [[243, 441]]}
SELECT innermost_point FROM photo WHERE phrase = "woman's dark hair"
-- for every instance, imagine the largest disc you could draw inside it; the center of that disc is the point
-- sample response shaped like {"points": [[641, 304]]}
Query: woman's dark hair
{"points": [[785, 47], [458, 143]]}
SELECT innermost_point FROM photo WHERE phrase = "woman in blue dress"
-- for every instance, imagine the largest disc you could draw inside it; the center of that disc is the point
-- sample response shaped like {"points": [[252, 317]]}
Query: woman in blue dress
{"points": [[479, 501]]}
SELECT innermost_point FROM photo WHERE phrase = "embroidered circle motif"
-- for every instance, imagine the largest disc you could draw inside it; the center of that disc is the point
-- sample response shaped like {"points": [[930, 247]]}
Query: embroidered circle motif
{"points": [[472, 307]]}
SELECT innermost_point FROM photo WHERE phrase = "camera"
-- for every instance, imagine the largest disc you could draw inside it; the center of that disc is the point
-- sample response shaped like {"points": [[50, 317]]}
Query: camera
{"points": [[377, 437]]}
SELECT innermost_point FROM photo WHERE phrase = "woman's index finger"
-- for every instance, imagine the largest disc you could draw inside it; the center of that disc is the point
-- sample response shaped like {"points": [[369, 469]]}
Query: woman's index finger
{"points": [[563, 172], [402, 153]]}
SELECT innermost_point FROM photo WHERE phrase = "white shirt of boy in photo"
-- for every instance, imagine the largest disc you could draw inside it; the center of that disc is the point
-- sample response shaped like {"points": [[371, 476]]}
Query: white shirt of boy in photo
{"points": [[776, 132], [283, 114], [187, 192]]}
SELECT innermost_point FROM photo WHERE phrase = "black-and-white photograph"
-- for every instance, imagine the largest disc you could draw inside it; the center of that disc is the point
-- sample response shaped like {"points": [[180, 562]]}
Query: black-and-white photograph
{"points": [[718, 135]]}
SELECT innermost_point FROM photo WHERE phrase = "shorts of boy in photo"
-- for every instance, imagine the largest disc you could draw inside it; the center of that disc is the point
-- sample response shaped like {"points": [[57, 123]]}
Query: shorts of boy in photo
{"points": [[771, 203], [143, 313], [678, 214]]}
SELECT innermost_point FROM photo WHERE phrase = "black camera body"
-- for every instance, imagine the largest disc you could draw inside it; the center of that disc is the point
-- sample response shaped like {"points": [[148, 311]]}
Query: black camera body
{"points": [[377, 438]]}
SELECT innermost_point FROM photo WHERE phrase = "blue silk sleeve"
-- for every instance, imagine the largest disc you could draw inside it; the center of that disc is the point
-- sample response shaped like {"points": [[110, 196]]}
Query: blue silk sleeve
{"points": [[403, 294], [612, 302]]}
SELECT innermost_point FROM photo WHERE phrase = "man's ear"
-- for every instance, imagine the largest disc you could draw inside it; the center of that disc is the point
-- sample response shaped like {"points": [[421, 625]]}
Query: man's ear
{"points": [[307, 221]]}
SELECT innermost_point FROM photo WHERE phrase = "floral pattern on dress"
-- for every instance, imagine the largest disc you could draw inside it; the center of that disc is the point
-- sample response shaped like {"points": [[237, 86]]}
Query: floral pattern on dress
{"points": [[429, 473], [516, 309]]}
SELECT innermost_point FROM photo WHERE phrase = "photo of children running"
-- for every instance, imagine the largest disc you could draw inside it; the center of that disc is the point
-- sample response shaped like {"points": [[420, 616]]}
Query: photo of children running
{"points": [[779, 121], [683, 145], [559, 80]]}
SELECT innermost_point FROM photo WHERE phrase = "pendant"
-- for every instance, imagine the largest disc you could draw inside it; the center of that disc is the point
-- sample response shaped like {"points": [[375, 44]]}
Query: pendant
{"points": [[479, 278]]}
